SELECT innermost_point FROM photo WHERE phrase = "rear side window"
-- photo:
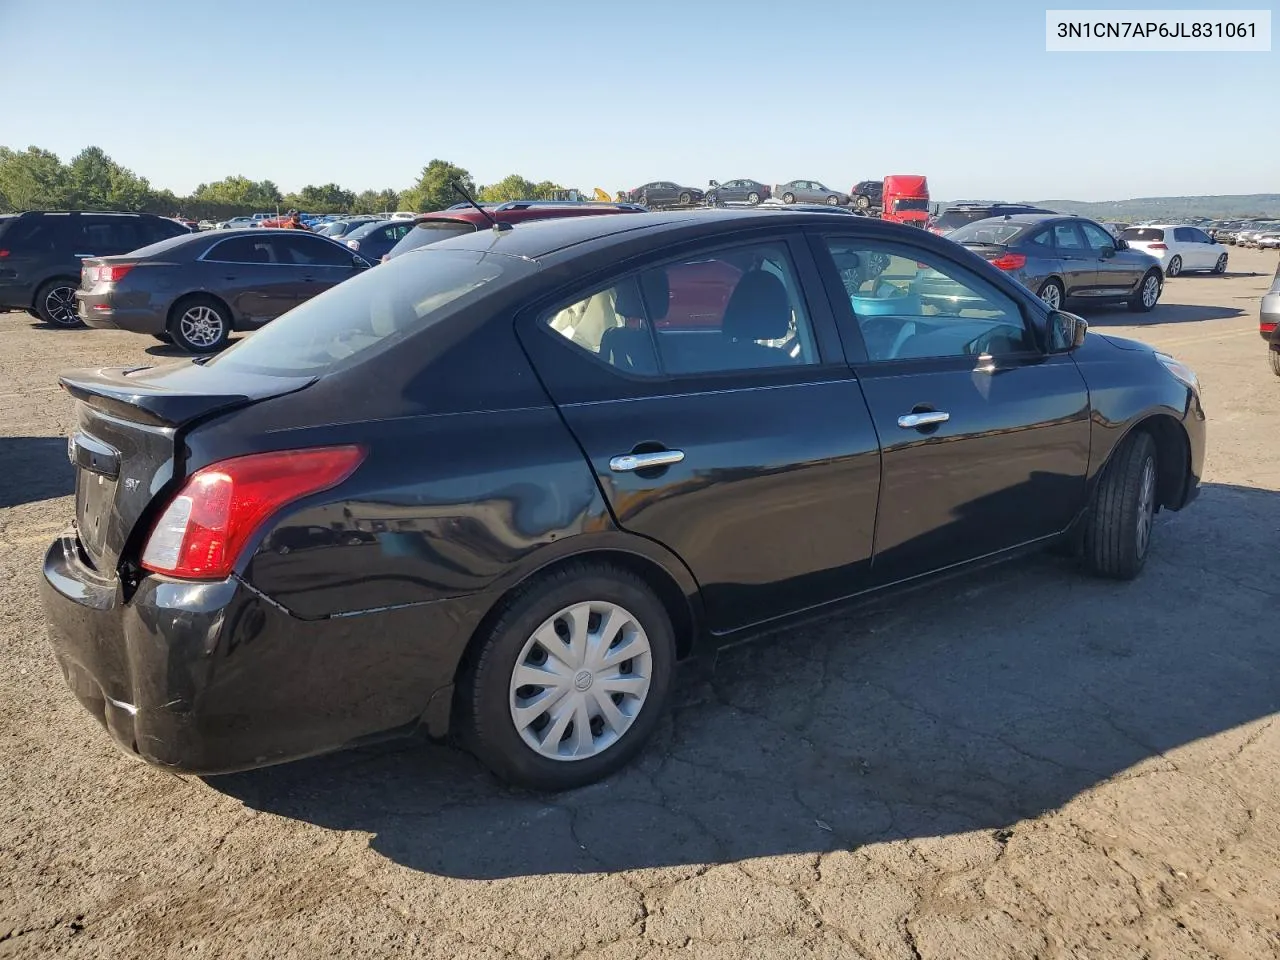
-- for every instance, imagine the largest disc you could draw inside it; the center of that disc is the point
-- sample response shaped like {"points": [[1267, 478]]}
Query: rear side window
{"points": [[242, 250], [1144, 234], [108, 235], [372, 311], [164, 247], [951, 219], [740, 309], [432, 231]]}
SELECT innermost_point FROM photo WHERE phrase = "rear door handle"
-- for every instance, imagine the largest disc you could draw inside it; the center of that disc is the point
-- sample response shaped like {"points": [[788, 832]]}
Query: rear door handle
{"points": [[645, 461], [912, 421]]}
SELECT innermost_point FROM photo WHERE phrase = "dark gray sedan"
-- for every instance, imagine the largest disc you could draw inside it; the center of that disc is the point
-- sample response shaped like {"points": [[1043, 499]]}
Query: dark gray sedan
{"points": [[1059, 258], [193, 290], [810, 191]]}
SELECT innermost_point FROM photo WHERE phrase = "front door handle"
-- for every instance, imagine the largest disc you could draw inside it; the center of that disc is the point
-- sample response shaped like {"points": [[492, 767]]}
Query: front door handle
{"points": [[913, 421], [645, 461]]}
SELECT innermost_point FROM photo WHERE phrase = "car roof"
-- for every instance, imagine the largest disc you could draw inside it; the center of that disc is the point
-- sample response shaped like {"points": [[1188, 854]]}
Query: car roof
{"points": [[541, 238]]}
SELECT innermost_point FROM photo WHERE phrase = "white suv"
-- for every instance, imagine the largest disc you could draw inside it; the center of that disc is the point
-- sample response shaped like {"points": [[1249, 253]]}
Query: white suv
{"points": [[1178, 247]]}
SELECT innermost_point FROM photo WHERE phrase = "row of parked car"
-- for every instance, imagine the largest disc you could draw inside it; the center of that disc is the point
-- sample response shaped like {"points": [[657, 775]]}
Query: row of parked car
{"points": [[1261, 234]]}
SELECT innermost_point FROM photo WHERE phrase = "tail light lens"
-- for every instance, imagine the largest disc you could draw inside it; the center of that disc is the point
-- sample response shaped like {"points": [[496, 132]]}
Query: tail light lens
{"points": [[110, 274], [1157, 246], [3, 254], [1010, 261], [206, 526]]}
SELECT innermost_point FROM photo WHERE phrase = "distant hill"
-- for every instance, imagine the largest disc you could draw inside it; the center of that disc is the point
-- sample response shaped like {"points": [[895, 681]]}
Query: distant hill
{"points": [[1152, 208]]}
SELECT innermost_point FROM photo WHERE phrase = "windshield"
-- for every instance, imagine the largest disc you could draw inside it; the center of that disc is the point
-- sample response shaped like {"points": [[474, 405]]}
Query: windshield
{"points": [[431, 231], [912, 203], [988, 231], [377, 309]]}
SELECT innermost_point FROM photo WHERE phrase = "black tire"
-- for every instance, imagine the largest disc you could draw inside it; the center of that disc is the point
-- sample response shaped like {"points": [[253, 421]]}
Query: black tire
{"points": [[1052, 288], [217, 337], [1174, 268], [788, 198], [833, 201], [862, 202], [1221, 265], [56, 304], [753, 197], [1140, 301], [1274, 357], [1114, 545], [685, 199], [483, 709], [165, 337]]}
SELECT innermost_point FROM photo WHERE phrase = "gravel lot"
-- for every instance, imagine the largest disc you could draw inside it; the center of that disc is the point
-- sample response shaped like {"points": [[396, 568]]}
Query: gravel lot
{"points": [[1025, 763]]}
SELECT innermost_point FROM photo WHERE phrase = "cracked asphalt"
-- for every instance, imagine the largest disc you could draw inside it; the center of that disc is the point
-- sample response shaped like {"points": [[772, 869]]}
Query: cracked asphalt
{"points": [[1023, 763]]}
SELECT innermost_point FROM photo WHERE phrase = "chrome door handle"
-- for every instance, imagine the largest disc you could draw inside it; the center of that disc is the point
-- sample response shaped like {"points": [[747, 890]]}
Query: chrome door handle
{"points": [[911, 421], [645, 461]]}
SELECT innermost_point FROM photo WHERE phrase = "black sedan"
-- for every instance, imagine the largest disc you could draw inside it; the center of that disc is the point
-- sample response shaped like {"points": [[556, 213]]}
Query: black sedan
{"points": [[1059, 258], [664, 193], [737, 191], [374, 240], [552, 462], [194, 290]]}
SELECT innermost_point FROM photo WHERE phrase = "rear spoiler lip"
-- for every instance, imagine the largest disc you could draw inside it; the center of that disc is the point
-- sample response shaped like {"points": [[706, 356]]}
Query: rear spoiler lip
{"points": [[110, 390]]}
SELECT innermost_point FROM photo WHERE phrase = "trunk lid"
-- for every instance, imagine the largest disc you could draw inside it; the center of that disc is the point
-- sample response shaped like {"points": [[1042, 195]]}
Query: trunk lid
{"points": [[126, 445], [988, 251]]}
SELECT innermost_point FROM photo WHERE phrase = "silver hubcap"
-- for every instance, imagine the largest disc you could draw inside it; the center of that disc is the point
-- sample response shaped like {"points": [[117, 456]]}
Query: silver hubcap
{"points": [[1146, 505], [1051, 295], [61, 305], [753, 198], [201, 326], [581, 680], [1175, 267], [1150, 292]]}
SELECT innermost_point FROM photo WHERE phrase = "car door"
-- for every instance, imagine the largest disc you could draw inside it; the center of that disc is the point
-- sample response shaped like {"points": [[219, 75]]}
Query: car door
{"points": [[1118, 275], [250, 274], [1203, 249], [318, 263], [757, 465], [1079, 265], [984, 436]]}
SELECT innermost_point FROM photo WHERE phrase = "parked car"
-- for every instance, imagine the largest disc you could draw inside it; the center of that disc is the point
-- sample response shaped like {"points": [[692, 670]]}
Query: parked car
{"points": [[958, 214], [1115, 229], [373, 240], [237, 223], [810, 191], [1248, 237], [338, 229], [866, 194], [733, 191], [196, 289], [455, 221], [1179, 248], [1060, 258], [1268, 240], [567, 501], [1269, 322], [41, 254], [664, 193]]}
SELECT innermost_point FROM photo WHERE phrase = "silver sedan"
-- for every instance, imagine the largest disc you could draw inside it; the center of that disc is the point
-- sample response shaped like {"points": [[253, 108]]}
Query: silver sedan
{"points": [[810, 191]]}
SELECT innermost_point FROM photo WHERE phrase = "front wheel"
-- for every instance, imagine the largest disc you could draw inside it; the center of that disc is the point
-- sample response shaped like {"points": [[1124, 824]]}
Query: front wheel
{"points": [[1275, 361], [1118, 535], [833, 201], [1051, 293], [56, 304], [685, 199], [1174, 268], [863, 203], [570, 680], [200, 325], [1221, 265], [1148, 294], [753, 198]]}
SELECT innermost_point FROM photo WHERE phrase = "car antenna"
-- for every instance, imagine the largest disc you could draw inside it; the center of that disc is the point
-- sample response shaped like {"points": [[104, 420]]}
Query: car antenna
{"points": [[483, 212]]}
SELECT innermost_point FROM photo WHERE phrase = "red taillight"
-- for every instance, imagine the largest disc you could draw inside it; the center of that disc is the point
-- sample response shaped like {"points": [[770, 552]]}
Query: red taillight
{"points": [[1010, 261], [204, 528], [1157, 246], [3, 254], [1266, 327], [112, 273]]}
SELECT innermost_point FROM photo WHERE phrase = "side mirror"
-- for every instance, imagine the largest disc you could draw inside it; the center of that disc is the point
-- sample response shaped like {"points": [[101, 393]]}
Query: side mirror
{"points": [[1066, 331], [1108, 251], [1122, 244]]}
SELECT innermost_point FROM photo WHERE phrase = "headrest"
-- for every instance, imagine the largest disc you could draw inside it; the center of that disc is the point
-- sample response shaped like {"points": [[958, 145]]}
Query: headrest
{"points": [[650, 297], [759, 308]]}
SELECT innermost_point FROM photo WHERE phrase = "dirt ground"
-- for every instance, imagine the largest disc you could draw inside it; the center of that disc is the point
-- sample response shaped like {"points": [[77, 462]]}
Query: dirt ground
{"points": [[1026, 763]]}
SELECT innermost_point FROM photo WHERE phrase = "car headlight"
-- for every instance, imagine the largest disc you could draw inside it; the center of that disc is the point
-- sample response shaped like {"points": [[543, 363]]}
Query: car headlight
{"points": [[1180, 371]]}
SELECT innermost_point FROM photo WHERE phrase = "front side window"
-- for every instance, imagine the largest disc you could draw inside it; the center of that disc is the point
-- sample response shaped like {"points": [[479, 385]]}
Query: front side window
{"points": [[1067, 237], [918, 306], [738, 309], [1096, 237], [302, 250]]}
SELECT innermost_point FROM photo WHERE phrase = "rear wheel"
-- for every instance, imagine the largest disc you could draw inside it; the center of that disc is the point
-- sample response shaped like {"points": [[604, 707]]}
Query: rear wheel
{"points": [[788, 198], [570, 679], [1118, 535], [200, 325], [753, 197], [1221, 265], [1051, 293], [863, 202], [56, 304], [1148, 293], [685, 199], [1174, 268], [1274, 355]]}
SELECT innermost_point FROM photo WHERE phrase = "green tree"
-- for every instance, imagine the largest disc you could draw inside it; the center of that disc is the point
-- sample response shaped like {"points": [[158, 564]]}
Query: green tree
{"points": [[240, 192], [32, 179], [329, 198], [376, 201], [516, 187], [434, 190], [89, 175]]}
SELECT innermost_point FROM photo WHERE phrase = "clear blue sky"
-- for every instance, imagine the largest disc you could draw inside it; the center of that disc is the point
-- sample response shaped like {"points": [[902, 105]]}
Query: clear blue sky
{"points": [[615, 94]]}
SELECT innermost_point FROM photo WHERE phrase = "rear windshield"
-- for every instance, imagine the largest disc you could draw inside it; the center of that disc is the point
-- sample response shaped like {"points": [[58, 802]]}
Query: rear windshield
{"points": [[1143, 233], [167, 244], [378, 308], [989, 231], [431, 231], [951, 219]]}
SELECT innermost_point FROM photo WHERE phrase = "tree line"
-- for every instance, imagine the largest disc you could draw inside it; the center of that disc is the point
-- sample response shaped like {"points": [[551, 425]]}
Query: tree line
{"points": [[36, 179]]}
